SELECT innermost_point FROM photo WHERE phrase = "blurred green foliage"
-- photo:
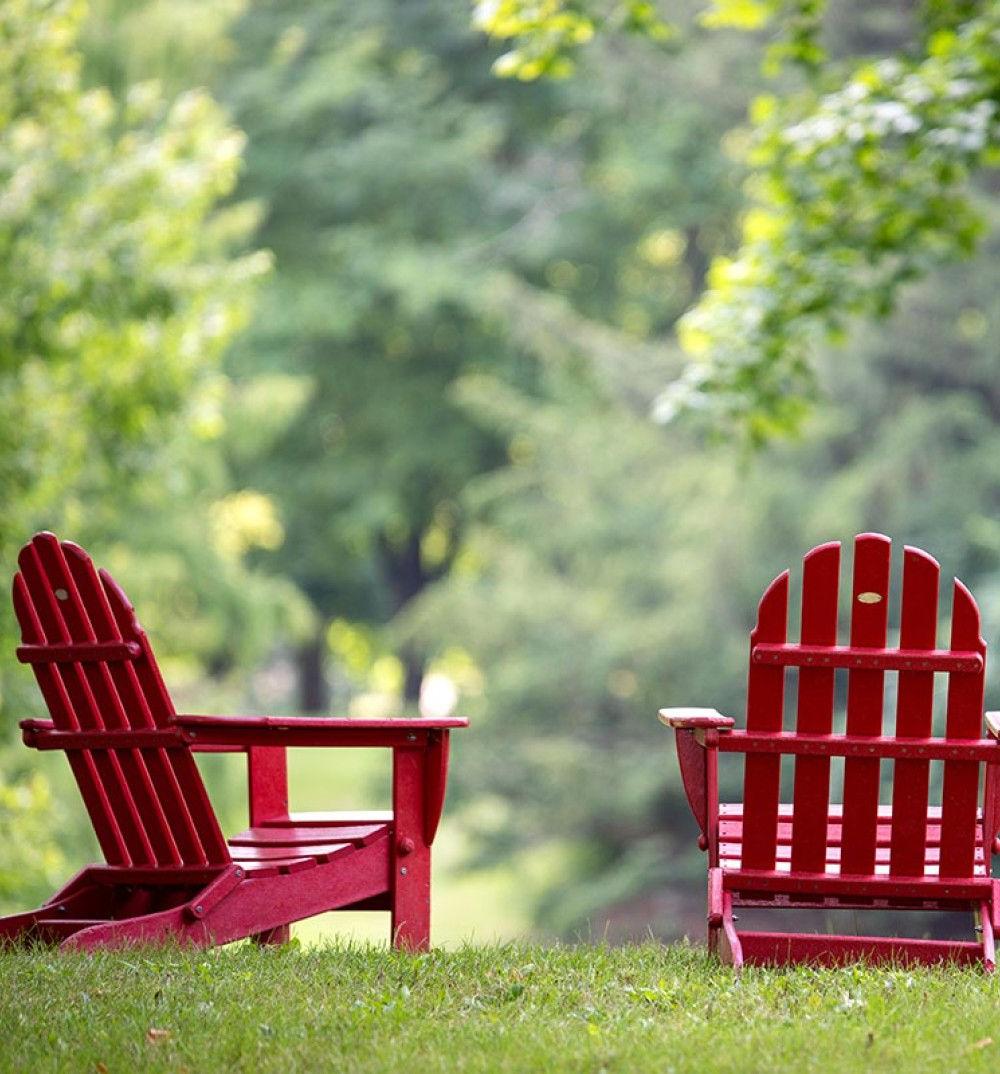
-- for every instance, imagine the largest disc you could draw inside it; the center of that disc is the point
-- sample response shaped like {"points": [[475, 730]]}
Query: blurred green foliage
{"points": [[121, 283], [859, 183], [381, 172], [546, 33], [118, 287]]}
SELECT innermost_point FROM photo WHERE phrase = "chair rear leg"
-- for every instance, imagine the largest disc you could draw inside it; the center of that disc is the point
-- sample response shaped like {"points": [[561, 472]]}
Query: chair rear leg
{"points": [[730, 948], [77, 898], [989, 950], [714, 910], [275, 937], [19, 926]]}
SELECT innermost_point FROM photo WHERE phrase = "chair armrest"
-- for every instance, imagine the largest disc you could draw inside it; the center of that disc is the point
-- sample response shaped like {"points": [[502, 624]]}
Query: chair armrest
{"points": [[313, 730], [698, 757], [695, 719], [991, 791], [34, 724]]}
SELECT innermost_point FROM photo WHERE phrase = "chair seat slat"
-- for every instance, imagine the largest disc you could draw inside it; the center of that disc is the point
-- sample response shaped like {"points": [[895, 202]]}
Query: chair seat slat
{"points": [[865, 885], [290, 835], [833, 854], [731, 831]]}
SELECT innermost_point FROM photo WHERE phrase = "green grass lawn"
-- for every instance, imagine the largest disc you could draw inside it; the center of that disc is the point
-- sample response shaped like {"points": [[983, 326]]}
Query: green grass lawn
{"points": [[506, 1008]]}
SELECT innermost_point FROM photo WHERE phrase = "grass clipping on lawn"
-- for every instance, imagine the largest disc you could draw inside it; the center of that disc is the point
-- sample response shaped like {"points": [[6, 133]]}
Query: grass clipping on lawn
{"points": [[508, 1008]]}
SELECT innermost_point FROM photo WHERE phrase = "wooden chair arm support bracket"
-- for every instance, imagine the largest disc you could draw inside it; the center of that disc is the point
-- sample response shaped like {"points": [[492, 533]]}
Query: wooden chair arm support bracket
{"points": [[216, 891], [44, 735], [696, 737], [991, 795], [715, 897], [420, 761]]}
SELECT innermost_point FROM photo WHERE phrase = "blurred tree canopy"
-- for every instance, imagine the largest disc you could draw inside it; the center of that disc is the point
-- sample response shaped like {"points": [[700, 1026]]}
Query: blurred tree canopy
{"points": [[120, 290], [860, 179], [417, 210], [380, 173]]}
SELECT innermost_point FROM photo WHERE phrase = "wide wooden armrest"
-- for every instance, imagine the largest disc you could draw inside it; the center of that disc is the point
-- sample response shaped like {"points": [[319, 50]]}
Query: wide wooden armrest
{"points": [[222, 733], [312, 730], [993, 724], [390, 723], [695, 719], [33, 724]]}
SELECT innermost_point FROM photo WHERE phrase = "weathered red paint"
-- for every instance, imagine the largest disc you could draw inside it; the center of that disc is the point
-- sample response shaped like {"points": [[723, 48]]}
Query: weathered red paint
{"points": [[811, 853], [170, 872]]}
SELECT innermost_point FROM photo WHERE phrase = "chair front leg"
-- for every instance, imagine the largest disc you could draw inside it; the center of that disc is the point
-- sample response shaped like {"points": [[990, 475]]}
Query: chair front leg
{"points": [[275, 937], [991, 793], [267, 779], [697, 738], [410, 883], [267, 787]]}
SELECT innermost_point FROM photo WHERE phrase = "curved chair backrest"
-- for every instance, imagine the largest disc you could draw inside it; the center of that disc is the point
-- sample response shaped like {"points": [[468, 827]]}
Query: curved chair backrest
{"points": [[97, 673], [870, 840]]}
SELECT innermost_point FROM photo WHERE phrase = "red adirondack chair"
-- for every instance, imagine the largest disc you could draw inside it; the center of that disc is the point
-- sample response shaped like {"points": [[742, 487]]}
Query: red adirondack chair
{"points": [[905, 854], [170, 872]]}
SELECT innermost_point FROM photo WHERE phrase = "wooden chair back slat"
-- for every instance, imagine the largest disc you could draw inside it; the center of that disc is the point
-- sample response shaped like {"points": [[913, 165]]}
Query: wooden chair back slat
{"points": [[814, 711], [960, 789], [148, 804], [196, 828], [90, 620], [82, 762], [914, 714], [52, 601], [765, 709], [904, 832], [869, 620], [163, 807]]}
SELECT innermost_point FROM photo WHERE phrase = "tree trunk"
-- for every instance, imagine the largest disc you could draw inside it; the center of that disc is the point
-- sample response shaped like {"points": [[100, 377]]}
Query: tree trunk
{"points": [[413, 677], [695, 260], [406, 578], [314, 691]]}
